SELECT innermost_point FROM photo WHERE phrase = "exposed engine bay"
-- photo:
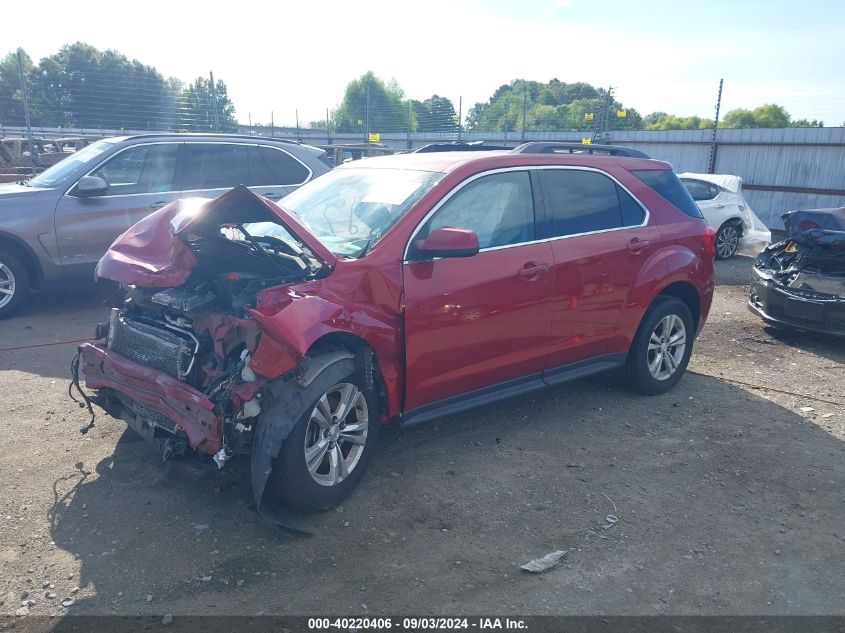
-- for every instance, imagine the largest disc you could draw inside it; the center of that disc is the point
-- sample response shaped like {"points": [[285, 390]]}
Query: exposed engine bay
{"points": [[199, 331], [812, 259]]}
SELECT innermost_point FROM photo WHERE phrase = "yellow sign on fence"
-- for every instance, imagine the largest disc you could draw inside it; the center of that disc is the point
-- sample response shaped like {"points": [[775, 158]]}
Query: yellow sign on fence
{"points": [[586, 141], [588, 116], [375, 137], [621, 113]]}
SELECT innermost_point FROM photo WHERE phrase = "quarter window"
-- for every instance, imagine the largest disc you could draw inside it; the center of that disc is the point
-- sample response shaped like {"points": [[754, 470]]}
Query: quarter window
{"points": [[285, 168], [585, 201], [498, 207], [699, 190], [141, 169]]}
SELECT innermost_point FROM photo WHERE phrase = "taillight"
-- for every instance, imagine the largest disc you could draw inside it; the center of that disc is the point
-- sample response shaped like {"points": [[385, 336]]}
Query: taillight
{"points": [[710, 241]]}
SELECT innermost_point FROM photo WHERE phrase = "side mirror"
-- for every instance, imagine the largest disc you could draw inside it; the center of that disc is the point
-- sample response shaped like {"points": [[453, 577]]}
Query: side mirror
{"points": [[91, 186], [448, 241]]}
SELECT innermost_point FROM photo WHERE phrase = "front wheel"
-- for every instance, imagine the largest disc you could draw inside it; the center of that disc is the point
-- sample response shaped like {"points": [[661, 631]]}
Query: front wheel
{"points": [[662, 346], [327, 452], [14, 283]]}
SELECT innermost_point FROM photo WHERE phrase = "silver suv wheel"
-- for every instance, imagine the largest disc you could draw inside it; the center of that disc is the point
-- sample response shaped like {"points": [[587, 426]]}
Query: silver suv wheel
{"points": [[666, 347], [7, 284], [336, 434]]}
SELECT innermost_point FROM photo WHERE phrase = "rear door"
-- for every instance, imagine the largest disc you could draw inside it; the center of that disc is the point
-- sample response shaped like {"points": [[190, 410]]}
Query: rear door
{"points": [[473, 322], [717, 205], [141, 179], [213, 168], [600, 238]]}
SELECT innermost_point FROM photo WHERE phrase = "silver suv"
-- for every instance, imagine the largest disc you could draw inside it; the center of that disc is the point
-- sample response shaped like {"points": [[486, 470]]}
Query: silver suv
{"points": [[60, 223]]}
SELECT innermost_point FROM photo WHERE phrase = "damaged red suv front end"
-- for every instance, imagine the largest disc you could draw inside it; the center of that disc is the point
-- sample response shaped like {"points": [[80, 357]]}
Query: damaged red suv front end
{"points": [[212, 316]]}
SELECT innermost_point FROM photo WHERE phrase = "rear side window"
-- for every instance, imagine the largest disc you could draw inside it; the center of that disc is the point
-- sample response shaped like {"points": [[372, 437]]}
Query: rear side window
{"points": [[699, 190], [285, 168], [586, 201], [668, 185], [216, 166]]}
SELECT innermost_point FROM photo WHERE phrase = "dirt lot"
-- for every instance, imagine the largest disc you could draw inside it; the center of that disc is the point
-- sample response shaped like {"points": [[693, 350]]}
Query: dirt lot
{"points": [[730, 494]]}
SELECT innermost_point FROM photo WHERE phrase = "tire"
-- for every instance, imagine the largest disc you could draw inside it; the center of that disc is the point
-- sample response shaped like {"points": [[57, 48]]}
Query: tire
{"points": [[15, 278], [664, 312], [323, 487], [727, 239]]}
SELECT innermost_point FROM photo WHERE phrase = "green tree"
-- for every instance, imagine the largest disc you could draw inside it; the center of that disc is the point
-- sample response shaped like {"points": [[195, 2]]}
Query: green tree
{"points": [[435, 114], [387, 111], [768, 115], [663, 121], [196, 110]]}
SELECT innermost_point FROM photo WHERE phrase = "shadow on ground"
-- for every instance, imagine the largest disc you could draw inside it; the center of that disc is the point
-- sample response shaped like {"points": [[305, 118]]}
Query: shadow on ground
{"points": [[727, 503]]}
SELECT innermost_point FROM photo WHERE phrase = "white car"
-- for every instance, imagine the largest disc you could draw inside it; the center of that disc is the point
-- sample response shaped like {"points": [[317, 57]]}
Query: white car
{"points": [[738, 229]]}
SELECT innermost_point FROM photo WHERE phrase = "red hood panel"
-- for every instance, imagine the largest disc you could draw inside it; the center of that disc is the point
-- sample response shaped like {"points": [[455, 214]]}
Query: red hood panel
{"points": [[150, 253]]}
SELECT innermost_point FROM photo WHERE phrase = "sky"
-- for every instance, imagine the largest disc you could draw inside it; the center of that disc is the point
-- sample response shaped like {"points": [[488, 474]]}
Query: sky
{"points": [[658, 55]]}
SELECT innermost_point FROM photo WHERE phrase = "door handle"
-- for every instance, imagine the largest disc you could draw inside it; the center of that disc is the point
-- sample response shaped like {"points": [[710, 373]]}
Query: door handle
{"points": [[720, 206], [532, 271], [159, 204], [636, 245], [272, 196]]}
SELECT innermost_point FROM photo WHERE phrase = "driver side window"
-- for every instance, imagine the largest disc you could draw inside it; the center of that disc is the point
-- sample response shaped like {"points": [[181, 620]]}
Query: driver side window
{"points": [[142, 169], [498, 207]]}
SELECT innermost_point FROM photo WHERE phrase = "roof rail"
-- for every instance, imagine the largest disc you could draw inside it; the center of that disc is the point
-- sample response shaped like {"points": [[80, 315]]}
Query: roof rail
{"points": [[548, 147], [458, 146]]}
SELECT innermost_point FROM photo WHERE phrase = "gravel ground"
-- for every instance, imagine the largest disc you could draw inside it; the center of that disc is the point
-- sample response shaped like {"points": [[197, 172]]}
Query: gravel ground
{"points": [[729, 494]]}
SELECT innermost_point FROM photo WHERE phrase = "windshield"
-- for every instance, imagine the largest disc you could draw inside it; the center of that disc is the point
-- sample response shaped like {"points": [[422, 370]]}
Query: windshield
{"points": [[350, 208], [65, 167]]}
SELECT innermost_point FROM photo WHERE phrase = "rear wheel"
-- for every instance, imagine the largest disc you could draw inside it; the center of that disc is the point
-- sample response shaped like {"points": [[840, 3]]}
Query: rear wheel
{"points": [[14, 283], [727, 240], [661, 348], [329, 449]]}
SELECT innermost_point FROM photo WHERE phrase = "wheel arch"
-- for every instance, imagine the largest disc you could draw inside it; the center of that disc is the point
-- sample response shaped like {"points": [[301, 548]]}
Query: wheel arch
{"points": [[25, 254], [688, 294]]}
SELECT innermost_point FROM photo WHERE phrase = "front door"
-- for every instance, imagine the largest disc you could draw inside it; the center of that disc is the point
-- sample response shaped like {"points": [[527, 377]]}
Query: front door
{"points": [[479, 321], [141, 179]]}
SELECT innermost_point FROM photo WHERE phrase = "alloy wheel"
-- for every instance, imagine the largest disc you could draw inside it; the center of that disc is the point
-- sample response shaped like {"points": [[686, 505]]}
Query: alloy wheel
{"points": [[7, 285], [666, 347], [336, 434], [727, 242]]}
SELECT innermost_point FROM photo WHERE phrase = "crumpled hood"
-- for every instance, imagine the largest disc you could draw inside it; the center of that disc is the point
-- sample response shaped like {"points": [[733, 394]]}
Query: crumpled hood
{"points": [[151, 253], [816, 226]]}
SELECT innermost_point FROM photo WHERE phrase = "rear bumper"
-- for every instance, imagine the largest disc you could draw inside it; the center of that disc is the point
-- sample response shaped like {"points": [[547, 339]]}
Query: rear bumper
{"points": [[192, 412], [768, 300]]}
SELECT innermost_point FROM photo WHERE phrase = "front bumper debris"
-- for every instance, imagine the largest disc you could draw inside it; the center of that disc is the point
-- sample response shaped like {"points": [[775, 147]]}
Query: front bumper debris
{"points": [[157, 391], [798, 309]]}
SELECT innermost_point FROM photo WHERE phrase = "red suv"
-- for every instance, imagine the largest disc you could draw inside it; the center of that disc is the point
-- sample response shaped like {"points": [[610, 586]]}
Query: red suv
{"points": [[402, 288]]}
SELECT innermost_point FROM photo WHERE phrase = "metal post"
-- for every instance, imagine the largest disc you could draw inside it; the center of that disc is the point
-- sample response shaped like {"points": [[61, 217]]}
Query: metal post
{"points": [[296, 114], [214, 102], [460, 117], [26, 113], [711, 166], [272, 127], [250, 122], [368, 111], [524, 110], [409, 125], [328, 128]]}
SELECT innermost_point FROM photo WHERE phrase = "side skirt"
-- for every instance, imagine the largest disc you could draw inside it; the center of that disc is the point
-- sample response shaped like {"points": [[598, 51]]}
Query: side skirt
{"points": [[510, 388]]}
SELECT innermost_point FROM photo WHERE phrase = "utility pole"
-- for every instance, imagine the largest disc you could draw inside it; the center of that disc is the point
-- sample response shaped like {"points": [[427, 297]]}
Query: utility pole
{"points": [[26, 113], [328, 128], [368, 111], [214, 101], [409, 124], [601, 134], [711, 166], [272, 125], [524, 110], [460, 116], [296, 114]]}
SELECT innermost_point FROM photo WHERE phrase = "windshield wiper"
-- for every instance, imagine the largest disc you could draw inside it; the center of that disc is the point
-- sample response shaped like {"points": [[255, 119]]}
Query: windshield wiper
{"points": [[25, 183], [364, 249]]}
